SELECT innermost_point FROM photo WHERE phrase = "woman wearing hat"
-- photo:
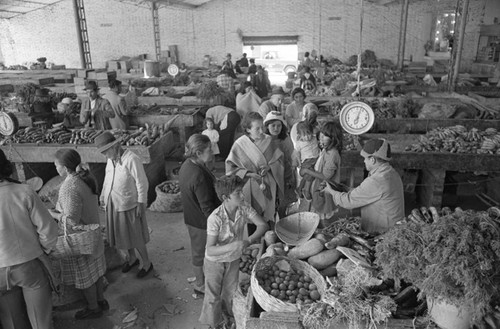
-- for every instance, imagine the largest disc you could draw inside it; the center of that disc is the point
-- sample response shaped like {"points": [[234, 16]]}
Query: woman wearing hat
{"points": [[125, 196], [276, 127], [78, 205], [380, 196], [96, 111], [255, 157], [27, 234], [274, 103]]}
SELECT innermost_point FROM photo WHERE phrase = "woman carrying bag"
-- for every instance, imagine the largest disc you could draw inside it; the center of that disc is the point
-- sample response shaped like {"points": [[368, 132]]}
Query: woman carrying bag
{"points": [[78, 205]]}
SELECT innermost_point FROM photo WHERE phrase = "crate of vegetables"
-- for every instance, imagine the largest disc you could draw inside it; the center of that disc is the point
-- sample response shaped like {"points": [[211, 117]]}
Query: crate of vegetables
{"points": [[168, 197]]}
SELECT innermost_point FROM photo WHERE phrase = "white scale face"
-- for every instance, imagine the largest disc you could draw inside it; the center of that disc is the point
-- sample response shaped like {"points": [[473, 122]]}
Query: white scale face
{"points": [[357, 118], [7, 124]]}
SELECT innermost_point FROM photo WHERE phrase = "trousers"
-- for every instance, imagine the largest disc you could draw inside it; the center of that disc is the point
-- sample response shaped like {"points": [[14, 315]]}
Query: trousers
{"points": [[33, 281], [221, 281]]}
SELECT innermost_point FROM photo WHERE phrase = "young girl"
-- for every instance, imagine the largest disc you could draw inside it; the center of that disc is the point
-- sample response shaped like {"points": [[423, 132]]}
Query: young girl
{"points": [[225, 245], [214, 138], [327, 168], [306, 154]]}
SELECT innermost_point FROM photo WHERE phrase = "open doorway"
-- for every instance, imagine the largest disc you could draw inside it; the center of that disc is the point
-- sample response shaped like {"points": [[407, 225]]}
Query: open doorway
{"points": [[278, 60]]}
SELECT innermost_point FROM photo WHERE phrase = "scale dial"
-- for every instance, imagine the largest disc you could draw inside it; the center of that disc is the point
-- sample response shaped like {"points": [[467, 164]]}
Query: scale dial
{"points": [[173, 70], [357, 118], [8, 124]]}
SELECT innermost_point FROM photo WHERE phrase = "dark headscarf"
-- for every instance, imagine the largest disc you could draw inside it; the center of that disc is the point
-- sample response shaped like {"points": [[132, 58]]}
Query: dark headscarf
{"points": [[70, 159]]}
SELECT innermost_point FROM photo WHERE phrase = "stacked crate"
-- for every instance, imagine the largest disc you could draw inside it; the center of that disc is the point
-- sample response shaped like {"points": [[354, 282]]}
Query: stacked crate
{"points": [[102, 77]]}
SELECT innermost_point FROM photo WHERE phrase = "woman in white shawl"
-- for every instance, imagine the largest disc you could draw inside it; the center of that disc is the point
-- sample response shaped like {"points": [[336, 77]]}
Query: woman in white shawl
{"points": [[255, 157]]}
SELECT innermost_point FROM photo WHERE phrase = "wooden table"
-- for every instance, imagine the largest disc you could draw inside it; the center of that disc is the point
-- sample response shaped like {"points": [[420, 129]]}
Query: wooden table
{"points": [[436, 163], [153, 158]]}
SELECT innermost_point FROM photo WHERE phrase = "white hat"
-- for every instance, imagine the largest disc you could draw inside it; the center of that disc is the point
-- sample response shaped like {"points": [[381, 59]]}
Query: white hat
{"points": [[274, 115], [67, 100], [379, 148]]}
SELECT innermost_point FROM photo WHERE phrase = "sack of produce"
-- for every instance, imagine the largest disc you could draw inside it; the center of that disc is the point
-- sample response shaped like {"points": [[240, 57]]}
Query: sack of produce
{"points": [[437, 111], [240, 303], [168, 197]]}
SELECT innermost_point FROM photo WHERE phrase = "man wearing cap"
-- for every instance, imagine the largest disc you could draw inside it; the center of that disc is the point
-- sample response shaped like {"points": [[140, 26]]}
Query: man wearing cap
{"points": [[274, 103], [380, 196], [125, 195], [96, 111], [119, 106]]}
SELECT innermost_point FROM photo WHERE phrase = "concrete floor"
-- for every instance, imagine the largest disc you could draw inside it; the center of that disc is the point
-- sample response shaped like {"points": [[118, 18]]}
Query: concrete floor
{"points": [[163, 299]]}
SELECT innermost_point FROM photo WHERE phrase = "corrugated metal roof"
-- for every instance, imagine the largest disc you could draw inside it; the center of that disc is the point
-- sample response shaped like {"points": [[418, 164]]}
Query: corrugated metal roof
{"points": [[13, 8]]}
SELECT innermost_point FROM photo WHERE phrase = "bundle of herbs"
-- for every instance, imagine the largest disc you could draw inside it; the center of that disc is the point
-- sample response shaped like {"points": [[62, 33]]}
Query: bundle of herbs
{"points": [[456, 258], [209, 90], [349, 300]]}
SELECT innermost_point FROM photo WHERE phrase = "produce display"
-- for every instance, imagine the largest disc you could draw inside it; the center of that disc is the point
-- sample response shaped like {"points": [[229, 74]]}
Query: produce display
{"points": [[382, 107], [448, 255], [153, 109], [60, 135], [249, 258], [288, 285], [458, 139], [210, 89], [170, 187]]}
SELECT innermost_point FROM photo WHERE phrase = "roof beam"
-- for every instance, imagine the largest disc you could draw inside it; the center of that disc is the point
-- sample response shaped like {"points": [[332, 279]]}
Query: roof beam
{"points": [[11, 11], [175, 3]]}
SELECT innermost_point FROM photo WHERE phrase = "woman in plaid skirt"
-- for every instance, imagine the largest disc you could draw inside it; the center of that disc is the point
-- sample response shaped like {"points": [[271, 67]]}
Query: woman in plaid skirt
{"points": [[78, 205]]}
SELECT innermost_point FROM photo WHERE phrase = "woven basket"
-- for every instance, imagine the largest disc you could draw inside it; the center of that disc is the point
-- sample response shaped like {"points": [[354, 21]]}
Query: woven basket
{"points": [[273, 304], [87, 241], [297, 228]]}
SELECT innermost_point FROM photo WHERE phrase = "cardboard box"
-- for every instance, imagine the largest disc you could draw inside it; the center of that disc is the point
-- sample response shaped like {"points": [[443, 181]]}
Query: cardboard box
{"points": [[79, 90], [6, 88], [83, 73], [113, 65], [79, 81], [45, 81], [101, 82], [58, 67]]}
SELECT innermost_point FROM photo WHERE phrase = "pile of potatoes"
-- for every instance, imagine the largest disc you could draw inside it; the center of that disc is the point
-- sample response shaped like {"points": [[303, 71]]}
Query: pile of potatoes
{"points": [[249, 258], [289, 286], [171, 188]]}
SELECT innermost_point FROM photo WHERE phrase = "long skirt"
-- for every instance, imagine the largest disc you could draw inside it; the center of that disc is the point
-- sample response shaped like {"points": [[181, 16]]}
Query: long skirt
{"points": [[82, 271], [124, 229]]}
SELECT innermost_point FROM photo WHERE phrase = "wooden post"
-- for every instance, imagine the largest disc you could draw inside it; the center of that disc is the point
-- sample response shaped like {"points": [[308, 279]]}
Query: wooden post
{"points": [[402, 34], [463, 22]]}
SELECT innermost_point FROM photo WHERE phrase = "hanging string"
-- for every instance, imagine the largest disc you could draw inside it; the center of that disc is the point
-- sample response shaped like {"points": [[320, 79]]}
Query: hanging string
{"points": [[358, 89]]}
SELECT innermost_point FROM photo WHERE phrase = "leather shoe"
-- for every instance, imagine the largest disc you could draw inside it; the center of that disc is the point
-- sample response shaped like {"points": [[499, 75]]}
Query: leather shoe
{"points": [[127, 267], [142, 273], [87, 313], [103, 304]]}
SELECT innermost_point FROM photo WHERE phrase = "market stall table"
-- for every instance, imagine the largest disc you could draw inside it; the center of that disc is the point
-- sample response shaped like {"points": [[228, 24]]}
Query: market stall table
{"points": [[153, 158], [437, 163]]}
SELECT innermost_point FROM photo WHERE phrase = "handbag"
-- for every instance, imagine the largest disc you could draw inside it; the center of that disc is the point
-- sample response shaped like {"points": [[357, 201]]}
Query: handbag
{"points": [[86, 241]]}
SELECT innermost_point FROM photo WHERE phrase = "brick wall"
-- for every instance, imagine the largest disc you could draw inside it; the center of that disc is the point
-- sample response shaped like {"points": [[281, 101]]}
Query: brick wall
{"points": [[117, 29]]}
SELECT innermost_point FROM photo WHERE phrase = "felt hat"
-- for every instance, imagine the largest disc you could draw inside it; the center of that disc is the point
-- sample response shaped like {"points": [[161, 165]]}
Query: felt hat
{"points": [[91, 85], [42, 92], [274, 115], [278, 91], [379, 148], [104, 141], [67, 100]]}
